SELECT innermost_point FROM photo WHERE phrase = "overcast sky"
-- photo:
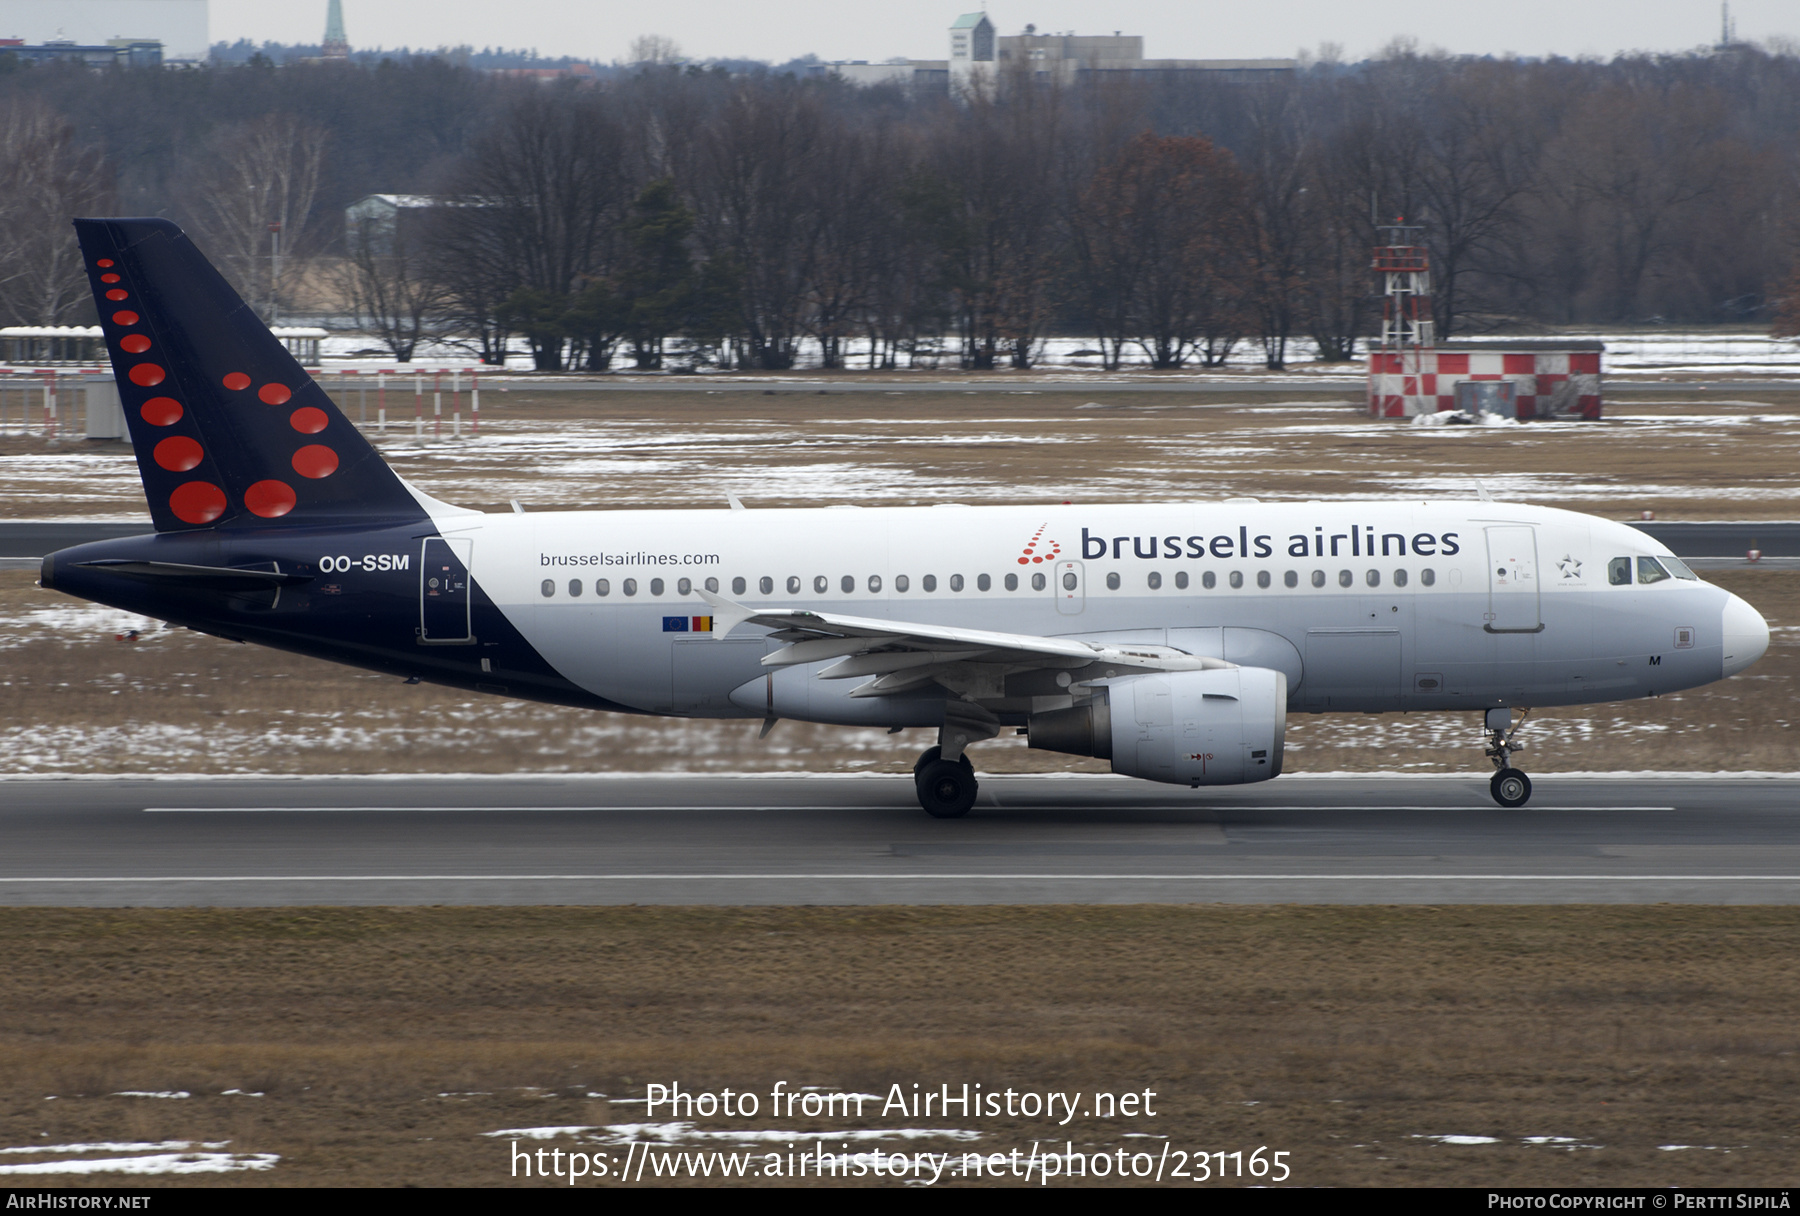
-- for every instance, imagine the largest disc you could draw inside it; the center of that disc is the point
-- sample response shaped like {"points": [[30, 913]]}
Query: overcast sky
{"points": [[778, 30]]}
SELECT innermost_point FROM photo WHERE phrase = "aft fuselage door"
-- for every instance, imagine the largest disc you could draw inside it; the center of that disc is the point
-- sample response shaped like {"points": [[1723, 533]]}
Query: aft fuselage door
{"points": [[444, 591], [1070, 588], [1512, 580]]}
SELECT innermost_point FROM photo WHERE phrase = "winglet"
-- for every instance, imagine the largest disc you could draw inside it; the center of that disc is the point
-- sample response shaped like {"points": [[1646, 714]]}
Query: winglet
{"points": [[726, 614], [736, 505]]}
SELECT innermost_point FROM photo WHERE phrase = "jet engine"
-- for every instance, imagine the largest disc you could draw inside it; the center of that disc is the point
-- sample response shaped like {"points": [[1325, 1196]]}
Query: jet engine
{"points": [[1219, 727]]}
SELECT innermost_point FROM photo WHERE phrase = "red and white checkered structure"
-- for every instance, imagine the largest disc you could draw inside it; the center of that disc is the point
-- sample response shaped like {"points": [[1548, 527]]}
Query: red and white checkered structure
{"points": [[1546, 383]]}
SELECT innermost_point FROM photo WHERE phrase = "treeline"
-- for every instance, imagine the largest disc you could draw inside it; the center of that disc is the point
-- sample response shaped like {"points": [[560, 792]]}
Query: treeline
{"points": [[737, 216]]}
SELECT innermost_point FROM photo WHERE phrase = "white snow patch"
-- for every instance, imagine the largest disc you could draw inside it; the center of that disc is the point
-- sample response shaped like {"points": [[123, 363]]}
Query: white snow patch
{"points": [[1461, 1139], [537, 1133], [151, 1093], [1563, 1142], [156, 1163], [241, 1093], [118, 1146]]}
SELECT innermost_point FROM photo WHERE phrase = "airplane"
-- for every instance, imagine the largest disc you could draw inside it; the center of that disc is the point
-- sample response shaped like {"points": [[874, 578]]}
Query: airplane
{"points": [[1170, 639]]}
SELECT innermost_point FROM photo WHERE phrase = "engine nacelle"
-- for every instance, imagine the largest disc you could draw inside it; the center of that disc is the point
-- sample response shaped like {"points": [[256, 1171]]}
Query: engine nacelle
{"points": [[1222, 727]]}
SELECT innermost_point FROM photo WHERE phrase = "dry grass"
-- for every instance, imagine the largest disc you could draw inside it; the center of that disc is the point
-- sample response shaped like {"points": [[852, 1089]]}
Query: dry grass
{"points": [[1343, 1035], [78, 701]]}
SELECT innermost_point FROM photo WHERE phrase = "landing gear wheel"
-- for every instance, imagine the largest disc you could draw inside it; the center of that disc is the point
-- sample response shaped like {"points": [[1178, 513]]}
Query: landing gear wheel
{"points": [[947, 788], [1510, 787], [930, 754]]}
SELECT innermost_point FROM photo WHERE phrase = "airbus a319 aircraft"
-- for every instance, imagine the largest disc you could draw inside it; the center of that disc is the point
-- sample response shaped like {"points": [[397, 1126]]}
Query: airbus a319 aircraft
{"points": [[1171, 639]]}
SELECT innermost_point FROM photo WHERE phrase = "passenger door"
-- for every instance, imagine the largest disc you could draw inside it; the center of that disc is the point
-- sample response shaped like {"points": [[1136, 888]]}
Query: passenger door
{"points": [[1513, 580], [444, 591]]}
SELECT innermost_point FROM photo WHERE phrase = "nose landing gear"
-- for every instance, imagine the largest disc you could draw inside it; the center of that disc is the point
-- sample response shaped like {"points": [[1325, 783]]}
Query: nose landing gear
{"points": [[1510, 786]]}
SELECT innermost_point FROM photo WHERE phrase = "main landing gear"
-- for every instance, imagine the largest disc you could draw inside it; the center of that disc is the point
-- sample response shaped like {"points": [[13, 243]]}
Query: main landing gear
{"points": [[943, 775], [1510, 786]]}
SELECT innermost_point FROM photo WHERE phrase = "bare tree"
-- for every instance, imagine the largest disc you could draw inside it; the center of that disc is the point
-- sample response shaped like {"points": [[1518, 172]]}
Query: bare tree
{"points": [[49, 178], [253, 189], [384, 280]]}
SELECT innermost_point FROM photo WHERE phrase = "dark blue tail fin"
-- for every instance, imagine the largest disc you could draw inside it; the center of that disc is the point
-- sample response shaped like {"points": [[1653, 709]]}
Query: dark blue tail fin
{"points": [[229, 429]]}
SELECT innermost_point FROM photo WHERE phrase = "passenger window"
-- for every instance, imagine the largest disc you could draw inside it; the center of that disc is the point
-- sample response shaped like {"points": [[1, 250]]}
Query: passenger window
{"points": [[1037, 582], [1428, 576], [1373, 578], [656, 586], [956, 582], [1651, 571], [929, 582], [686, 586], [602, 587], [766, 585], [983, 583], [1155, 581], [630, 586], [1112, 581], [1209, 580], [1237, 579], [1012, 582], [821, 584], [1618, 572], [1291, 579], [712, 585], [793, 584], [1399, 578], [901, 582], [1069, 581], [1181, 580], [737, 586], [874, 583], [574, 586], [1262, 579], [1345, 578], [549, 588], [1318, 578], [848, 583]]}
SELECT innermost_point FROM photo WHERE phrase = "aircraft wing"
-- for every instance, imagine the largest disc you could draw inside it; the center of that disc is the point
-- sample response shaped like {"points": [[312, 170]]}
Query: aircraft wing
{"points": [[901, 655]]}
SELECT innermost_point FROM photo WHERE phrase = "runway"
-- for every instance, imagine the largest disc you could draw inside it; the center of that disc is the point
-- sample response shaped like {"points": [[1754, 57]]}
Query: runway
{"points": [[863, 840]]}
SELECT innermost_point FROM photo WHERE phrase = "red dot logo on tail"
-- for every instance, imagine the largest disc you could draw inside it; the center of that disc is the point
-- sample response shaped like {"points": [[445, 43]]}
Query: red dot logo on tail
{"points": [[161, 411], [197, 502], [237, 382], [146, 375], [270, 499], [125, 317], [315, 460], [118, 293], [178, 454], [308, 420], [134, 344], [275, 394]]}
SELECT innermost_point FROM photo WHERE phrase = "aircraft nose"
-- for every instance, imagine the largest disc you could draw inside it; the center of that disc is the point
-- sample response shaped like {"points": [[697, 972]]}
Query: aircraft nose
{"points": [[1745, 633]]}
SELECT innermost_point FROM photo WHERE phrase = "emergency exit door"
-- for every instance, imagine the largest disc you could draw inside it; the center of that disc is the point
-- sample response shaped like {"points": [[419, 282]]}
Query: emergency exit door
{"points": [[1070, 588]]}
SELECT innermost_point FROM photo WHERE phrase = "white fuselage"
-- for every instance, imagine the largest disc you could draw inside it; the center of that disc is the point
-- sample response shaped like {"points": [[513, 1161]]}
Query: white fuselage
{"points": [[1366, 606]]}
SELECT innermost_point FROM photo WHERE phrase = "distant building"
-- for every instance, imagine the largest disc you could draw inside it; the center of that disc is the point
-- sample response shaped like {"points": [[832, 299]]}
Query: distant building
{"points": [[336, 46], [117, 53], [179, 26], [972, 59], [376, 218], [981, 58]]}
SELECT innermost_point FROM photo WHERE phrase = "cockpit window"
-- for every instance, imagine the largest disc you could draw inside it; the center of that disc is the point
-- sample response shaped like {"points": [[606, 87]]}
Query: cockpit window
{"points": [[1618, 572], [1679, 569], [1651, 571]]}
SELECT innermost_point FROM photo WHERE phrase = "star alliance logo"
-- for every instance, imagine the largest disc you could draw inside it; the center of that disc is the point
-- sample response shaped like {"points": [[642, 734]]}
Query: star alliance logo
{"points": [[1570, 566]]}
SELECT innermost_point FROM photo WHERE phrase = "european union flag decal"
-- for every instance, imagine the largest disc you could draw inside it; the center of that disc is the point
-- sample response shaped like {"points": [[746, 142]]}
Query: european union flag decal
{"points": [[675, 624]]}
